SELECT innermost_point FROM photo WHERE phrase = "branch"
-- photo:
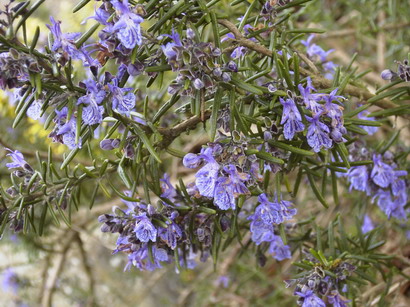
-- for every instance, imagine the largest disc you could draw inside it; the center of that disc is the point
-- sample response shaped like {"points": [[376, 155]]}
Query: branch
{"points": [[317, 80]]}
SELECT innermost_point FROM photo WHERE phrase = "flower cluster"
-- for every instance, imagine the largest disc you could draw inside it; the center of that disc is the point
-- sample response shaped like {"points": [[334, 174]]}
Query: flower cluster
{"points": [[263, 221], [15, 68], [219, 180], [383, 181], [317, 286], [196, 63], [326, 125], [319, 56]]}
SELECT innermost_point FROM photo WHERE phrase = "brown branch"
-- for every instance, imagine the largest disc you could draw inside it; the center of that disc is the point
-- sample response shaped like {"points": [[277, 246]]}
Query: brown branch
{"points": [[88, 271], [51, 283], [169, 135], [317, 80]]}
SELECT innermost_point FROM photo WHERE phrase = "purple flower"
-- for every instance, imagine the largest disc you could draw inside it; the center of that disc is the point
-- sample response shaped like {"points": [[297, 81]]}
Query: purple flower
{"points": [[65, 41], [101, 16], [169, 50], [144, 229], [337, 300], [140, 258], [367, 224], [109, 144], [392, 207], [310, 99], [207, 176], [18, 159], [369, 129], [388, 74], [278, 250], [65, 129], [224, 197], [128, 26], [382, 174], [318, 134], [237, 180], [359, 178], [310, 299], [191, 160], [274, 213], [34, 111], [168, 191], [93, 112], [291, 118], [123, 100], [171, 234], [261, 232], [314, 51], [329, 68]]}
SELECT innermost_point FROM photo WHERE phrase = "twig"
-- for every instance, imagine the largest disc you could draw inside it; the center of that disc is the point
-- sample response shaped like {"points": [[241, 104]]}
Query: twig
{"points": [[88, 271], [50, 285]]}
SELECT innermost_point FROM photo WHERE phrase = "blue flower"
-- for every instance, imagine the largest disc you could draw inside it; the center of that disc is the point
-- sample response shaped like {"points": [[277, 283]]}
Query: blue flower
{"points": [[207, 176], [261, 232], [140, 258], [168, 191], [318, 134], [392, 206], [237, 180], [18, 159], [314, 51], [382, 174], [367, 224], [223, 196], [128, 26], [191, 160], [359, 178], [123, 100], [66, 130], [101, 16], [337, 300], [274, 213], [311, 99], [369, 129], [310, 299], [278, 250], [65, 41], [171, 234], [34, 111], [93, 112], [291, 118], [144, 229], [169, 50]]}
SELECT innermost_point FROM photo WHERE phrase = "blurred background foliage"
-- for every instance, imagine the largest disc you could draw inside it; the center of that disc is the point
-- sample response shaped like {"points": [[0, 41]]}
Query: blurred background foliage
{"points": [[84, 273]]}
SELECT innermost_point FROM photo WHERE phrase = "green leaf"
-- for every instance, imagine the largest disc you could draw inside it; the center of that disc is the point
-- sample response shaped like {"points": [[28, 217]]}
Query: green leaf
{"points": [[80, 5], [215, 112], [316, 191], [143, 137], [264, 156], [293, 149], [246, 86]]}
